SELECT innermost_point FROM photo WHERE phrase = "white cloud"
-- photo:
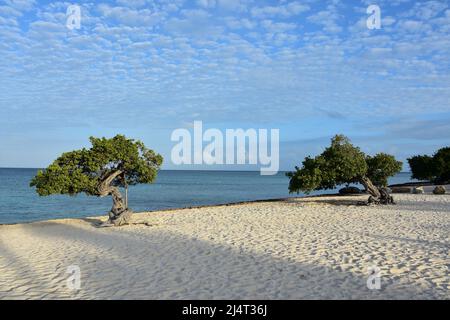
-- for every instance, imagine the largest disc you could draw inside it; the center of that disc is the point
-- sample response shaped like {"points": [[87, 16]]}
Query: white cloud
{"points": [[131, 17], [47, 27], [232, 5], [412, 25], [22, 5], [132, 3], [288, 10], [206, 3], [245, 23], [196, 23], [388, 21], [171, 62], [8, 12], [8, 21], [328, 19], [427, 9], [278, 27]]}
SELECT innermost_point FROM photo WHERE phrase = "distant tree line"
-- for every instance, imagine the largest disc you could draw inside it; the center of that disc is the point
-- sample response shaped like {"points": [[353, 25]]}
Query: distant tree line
{"points": [[434, 168]]}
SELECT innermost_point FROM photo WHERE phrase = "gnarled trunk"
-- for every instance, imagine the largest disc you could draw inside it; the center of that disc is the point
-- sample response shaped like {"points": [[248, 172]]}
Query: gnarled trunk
{"points": [[119, 214], [377, 195]]}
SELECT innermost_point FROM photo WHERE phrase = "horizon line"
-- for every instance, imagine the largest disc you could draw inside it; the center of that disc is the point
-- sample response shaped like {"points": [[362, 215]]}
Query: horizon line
{"points": [[218, 170]]}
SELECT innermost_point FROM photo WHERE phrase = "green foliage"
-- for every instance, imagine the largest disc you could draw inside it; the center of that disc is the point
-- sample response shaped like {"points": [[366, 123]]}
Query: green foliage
{"points": [[82, 171], [442, 165], [381, 167], [308, 178], [338, 164], [422, 167], [435, 168], [341, 163]]}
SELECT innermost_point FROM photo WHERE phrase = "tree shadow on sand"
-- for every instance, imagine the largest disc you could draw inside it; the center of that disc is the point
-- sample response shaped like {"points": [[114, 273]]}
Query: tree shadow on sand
{"points": [[154, 263], [335, 201]]}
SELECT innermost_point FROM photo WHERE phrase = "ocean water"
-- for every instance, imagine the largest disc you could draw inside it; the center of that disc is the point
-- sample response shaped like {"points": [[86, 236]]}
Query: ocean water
{"points": [[172, 189]]}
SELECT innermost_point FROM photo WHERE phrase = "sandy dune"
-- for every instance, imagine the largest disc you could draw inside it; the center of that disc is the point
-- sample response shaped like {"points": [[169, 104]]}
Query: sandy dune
{"points": [[296, 249]]}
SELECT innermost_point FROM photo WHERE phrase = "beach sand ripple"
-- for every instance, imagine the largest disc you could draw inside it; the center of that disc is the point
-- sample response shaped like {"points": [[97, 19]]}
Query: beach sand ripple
{"points": [[308, 248]]}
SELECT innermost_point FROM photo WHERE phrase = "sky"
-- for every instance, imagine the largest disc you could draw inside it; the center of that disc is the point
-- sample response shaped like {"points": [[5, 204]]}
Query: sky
{"points": [[143, 68]]}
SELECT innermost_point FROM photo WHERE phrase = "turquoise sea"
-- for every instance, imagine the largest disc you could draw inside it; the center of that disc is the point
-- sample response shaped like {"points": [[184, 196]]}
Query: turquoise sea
{"points": [[173, 189]]}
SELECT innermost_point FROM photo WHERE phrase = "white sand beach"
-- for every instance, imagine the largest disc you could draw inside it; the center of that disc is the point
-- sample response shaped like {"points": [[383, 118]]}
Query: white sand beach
{"points": [[307, 248]]}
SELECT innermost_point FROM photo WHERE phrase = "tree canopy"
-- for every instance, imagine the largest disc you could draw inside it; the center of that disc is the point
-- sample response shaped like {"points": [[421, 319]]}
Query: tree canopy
{"points": [[422, 167], [382, 166], [81, 171], [343, 163], [98, 171], [434, 168], [339, 164], [442, 165]]}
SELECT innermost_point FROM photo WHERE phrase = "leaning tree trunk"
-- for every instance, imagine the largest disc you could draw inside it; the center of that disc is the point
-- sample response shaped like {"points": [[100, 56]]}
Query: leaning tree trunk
{"points": [[377, 195], [119, 214]]}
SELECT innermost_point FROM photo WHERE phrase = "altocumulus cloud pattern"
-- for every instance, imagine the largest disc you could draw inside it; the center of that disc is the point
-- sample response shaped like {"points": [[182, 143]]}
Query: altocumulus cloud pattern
{"points": [[311, 68]]}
